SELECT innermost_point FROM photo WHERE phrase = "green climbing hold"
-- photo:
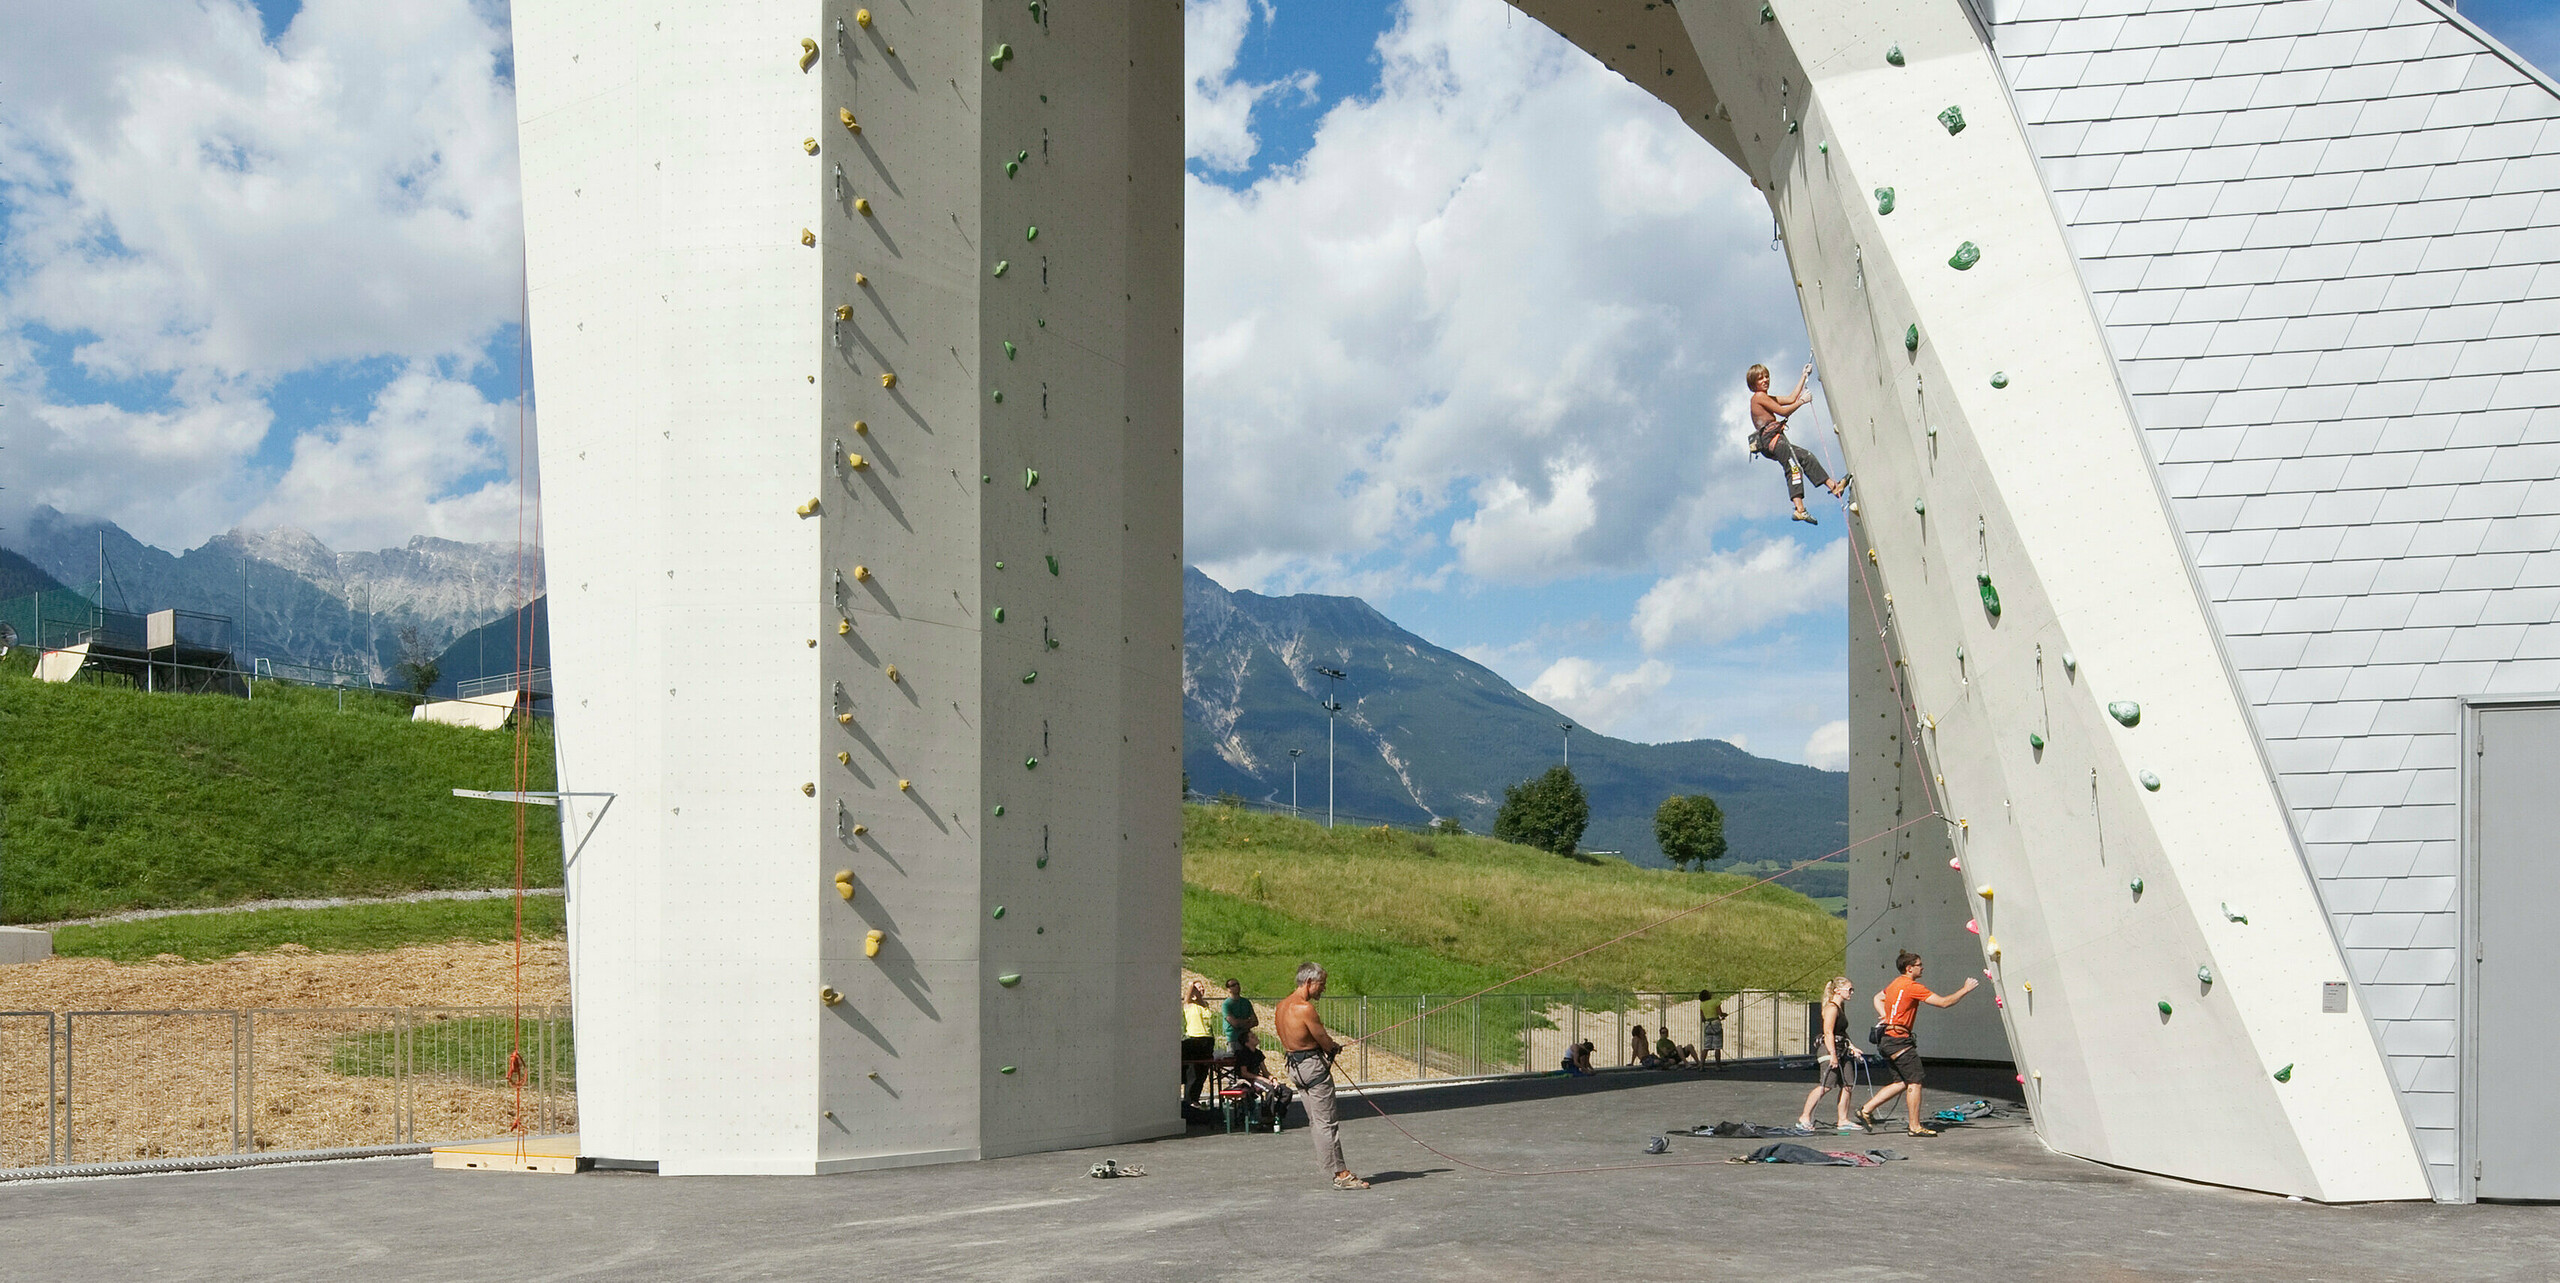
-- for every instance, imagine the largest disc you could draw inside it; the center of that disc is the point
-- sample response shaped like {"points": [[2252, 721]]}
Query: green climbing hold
{"points": [[1990, 595], [1053, 563], [1893, 56], [998, 914], [1768, 14], [2137, 888], [1010, 978], [2164, 1006], [1884, 201], [1965, 257], [988, 479], [1031, 233], [1030, 477], [999, 609], [1953, 119], [1035, 10], [2204, 975], [1028, 678], [2229, 916], [2285, 1075], [1004, 1069], [1002, 264], [1920, 506], [1025, 154], [1008, 349], [1002, 55], [1791, 126], [2070, 662], [2035, 741], [1031, 763], [1999, 379], [1041, 863], [2149, 781], [1012, 167], [2126, 712], [999, 565], [999, 808], [998, 394], [1911, 339], [1824, 148]]}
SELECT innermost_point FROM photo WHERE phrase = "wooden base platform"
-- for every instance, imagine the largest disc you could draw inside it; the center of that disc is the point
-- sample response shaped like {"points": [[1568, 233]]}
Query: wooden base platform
{"points": [[551, 1154]]}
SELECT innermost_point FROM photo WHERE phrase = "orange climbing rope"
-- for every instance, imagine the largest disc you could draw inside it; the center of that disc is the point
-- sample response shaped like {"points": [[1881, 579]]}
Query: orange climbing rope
{"points": [[523, 753]]}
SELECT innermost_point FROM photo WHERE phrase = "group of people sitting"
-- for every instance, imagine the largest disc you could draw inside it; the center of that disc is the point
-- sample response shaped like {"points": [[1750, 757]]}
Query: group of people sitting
{"points": [[1661, 1052], [1265, 1099]]}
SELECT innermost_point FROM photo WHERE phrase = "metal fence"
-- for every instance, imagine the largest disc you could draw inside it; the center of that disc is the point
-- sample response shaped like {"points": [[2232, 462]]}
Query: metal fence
{"points": [[1419, 1037], [108, 1086]]}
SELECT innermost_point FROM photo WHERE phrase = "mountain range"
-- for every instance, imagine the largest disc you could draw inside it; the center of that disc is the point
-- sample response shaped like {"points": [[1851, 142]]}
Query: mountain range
{"points": [[1426, 733], [290, 597]]}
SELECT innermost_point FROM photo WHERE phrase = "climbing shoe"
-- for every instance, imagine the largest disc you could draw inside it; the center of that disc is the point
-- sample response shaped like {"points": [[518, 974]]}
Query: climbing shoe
{"points": [[1808, 518]]}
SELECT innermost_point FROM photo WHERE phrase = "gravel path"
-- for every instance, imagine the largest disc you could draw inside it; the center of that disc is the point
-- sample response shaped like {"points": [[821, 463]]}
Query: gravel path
{"points": [[414, 897]]}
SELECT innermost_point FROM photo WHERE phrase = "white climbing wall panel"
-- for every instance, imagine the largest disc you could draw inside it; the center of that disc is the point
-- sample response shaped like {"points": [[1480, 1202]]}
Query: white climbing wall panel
{"points": [[1996, 451], [2323, 243], [785, 501]]}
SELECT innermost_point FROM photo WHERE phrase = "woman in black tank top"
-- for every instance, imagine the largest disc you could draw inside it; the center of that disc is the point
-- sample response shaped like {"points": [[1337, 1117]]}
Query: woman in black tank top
{"points": [[1838, 1055]]}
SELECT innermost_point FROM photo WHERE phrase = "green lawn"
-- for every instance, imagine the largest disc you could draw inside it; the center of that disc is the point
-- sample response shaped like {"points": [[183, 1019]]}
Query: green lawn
{"points": [[357, 928], [1397, 912], [116, 799]]}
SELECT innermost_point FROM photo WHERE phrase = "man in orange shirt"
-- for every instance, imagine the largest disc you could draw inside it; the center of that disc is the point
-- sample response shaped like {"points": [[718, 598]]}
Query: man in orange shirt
{"points": [[1898, 1006]]}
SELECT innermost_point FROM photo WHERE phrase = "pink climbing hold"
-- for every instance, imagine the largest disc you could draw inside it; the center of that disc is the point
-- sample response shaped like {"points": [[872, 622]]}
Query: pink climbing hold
{"points": [[1973, 926], [1986, 974], [2000, 1002], [2022, 1078], [1956, 864]]}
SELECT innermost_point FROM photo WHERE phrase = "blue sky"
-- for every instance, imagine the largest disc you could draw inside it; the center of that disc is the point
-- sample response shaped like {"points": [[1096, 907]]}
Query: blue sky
{"points": [[1466, 315]]}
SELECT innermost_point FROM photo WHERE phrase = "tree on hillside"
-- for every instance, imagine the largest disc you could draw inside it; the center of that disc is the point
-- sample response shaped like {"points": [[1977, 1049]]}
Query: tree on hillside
{"points": [[1548, 812], [1690, 829], [417, 670]]}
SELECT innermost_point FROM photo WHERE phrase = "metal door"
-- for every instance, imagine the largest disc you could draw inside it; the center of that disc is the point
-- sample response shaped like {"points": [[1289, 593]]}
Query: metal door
{"points": [[2515, 971]]}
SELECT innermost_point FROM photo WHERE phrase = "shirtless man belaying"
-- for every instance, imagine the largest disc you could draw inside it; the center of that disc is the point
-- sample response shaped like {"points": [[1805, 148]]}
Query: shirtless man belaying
{"points": [[1311, 1051], [1769, 437]]}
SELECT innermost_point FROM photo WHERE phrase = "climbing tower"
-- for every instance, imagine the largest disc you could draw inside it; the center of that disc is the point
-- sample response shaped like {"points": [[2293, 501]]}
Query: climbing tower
{"points": [[860, 448]]}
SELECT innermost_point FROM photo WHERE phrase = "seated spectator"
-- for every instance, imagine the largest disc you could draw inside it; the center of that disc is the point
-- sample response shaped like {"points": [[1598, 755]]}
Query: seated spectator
{"points": [[1670, 1055], [1265, 1097], [1640, 1050], [1577, 1060]]}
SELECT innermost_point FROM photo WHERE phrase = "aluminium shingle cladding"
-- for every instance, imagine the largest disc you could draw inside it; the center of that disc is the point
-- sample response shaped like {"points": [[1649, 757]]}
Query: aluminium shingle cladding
{"points": [[2323, 237]]}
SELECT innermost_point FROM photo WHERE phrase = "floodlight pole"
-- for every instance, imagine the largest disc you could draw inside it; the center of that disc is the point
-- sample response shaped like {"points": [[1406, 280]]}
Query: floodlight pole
{"points": [[1332, 706], [1568, 745], [1293, 781]]}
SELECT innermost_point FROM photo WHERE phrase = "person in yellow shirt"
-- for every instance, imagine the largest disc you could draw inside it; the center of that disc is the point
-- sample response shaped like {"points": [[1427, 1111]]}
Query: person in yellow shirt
{"points": [[1199, 1042]]}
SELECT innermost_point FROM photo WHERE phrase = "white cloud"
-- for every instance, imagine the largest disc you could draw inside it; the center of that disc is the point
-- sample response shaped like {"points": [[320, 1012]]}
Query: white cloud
{"points": [[375, 484], [1828, 746], [1597, 698], [1501, 293], [1729, 595], [200, 213], [1217, 108]]}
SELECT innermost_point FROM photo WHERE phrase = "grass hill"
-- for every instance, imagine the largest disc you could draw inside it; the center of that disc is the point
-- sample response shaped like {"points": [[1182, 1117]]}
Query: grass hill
{"points": [[1397, 912], [115, 799], [1428, 733]]}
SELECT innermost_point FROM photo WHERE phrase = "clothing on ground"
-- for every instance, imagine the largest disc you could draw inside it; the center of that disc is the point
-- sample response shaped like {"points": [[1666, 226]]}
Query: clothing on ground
{"points": [[1752, 1130], [1312, 1074]]}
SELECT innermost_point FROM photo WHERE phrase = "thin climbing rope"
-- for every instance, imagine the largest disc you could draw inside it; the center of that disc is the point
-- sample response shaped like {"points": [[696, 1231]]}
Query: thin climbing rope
{"points": [[1893, 675], [523, 748]]}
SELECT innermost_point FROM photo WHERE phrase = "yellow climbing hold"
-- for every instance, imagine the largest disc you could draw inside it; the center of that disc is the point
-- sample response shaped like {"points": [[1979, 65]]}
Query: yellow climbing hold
{"points": [[862, 206], [856, 462], [871, 944], [844, 628], [845, 114], [888, 380], [862, 574], [809, 145], [906, 786], [861, 428], [808, 53], [891, 672], [862, 18], [827, 994], [809, 790], [844, 759], [808, 237], [844, 311], [844, 883], [809, 509], [1985, 893]]}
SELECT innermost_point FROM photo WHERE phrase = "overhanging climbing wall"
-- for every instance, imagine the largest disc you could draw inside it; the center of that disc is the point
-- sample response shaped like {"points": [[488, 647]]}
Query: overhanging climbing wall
{"points": [[860, 443], [2045, 682]]}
